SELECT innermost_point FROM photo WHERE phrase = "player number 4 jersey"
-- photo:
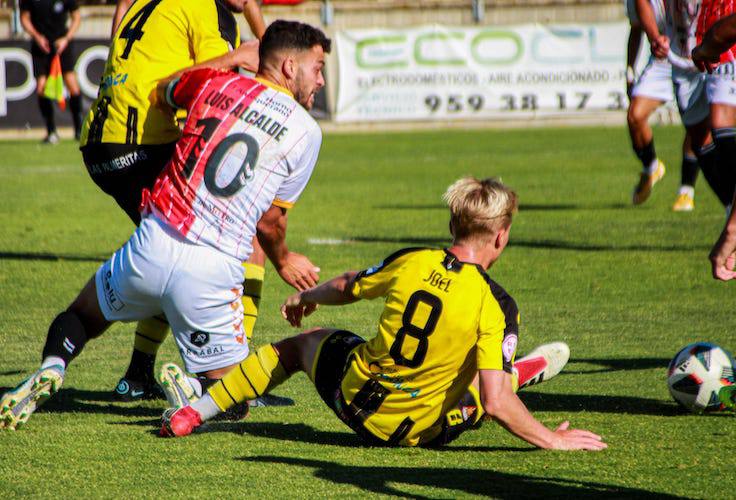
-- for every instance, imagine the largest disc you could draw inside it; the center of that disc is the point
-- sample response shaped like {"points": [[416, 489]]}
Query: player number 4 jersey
{"points": [[247, 144], [443, 320]]}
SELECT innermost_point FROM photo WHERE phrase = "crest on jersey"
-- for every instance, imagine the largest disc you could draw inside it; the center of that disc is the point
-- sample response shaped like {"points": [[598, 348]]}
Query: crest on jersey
{"points": [[199, 338], [509, 346]]}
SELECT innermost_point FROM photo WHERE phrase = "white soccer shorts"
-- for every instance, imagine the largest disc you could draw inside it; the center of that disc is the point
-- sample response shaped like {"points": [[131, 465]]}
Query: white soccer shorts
{"points": [[655, 81], [197, 287], [692, 99], [721, 85]]}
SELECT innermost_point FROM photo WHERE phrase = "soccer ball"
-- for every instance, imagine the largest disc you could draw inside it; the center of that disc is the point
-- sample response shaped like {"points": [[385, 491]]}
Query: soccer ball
{"points": [[697, 373]]}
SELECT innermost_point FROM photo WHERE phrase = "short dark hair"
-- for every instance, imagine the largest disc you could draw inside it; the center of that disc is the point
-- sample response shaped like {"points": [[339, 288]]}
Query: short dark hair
{"points": [[291, 35]]}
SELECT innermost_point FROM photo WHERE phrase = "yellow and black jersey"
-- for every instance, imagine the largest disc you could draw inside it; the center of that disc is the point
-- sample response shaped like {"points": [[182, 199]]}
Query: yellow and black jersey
{"points": [[443, 320], [156, 38]]}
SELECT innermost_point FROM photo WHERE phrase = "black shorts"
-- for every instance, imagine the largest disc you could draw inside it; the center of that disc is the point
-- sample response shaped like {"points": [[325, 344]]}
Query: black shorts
{"points": [[332, 361], [124, 170], [42, 60]]}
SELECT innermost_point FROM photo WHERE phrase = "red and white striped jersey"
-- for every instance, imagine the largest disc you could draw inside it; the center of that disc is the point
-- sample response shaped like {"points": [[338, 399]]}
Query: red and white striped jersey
{"points": [[712, 11], [246, 144], [683, 17]]}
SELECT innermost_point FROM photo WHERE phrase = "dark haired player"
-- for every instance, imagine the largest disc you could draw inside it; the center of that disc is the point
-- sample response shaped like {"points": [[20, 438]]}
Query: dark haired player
{"points": [[247, 152], [46, 22]]}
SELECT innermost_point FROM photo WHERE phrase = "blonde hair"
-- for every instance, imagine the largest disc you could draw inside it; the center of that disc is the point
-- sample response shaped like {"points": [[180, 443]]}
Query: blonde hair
{"points": [[479, 208]]}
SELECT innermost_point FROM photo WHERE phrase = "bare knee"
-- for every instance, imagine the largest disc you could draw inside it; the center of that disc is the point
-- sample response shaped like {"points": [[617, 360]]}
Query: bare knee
{"points": [[87, 309], [297, 353]]}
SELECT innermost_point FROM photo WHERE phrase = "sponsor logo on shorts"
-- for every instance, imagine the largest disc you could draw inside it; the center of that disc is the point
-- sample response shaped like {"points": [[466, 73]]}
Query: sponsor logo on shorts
{"points": [[200, 339], [207, 352], [509, 346], [111, 296], [117, 163]]}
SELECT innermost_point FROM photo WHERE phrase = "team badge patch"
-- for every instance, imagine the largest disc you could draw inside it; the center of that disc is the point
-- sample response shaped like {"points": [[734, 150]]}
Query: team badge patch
{"points": [[199, 338], [509, 346]]}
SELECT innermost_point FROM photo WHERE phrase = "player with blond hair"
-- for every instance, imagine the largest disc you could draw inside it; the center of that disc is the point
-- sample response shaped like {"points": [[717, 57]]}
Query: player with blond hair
{"points": [[445, 323]]}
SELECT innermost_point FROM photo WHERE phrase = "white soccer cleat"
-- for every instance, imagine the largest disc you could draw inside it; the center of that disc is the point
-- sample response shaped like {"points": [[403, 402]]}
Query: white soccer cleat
{"points": [[176, 386], [16, 406], [543, 363]]}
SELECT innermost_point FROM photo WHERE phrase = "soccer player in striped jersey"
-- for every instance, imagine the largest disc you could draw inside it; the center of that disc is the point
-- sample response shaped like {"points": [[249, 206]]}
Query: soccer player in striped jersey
{"points": [[651, 89], [126, 140], [445, 323], [246, 154]]}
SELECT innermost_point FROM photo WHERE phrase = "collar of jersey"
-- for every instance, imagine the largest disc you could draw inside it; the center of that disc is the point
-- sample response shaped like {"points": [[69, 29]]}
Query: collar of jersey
{"points": [[269, 83]]}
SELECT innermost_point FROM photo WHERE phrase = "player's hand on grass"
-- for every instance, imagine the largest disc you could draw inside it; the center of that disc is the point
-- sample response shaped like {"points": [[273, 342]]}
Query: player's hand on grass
{"points": [[704, 59], [295, 308], [723, 256], [660, 46], [43, 42], [298, 271], [61, 44], [576, 439]]}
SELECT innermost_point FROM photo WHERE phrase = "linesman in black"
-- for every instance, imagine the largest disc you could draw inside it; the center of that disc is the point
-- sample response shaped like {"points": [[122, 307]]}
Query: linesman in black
{"points": [[46, 22]]}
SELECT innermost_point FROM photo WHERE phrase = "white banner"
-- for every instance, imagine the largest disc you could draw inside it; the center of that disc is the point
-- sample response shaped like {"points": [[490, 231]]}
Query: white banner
{"points": [[439, 72]]}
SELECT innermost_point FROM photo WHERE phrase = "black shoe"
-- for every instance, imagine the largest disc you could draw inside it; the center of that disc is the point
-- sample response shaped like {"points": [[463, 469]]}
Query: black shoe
{"points": [[129, 390], [271, 400]]}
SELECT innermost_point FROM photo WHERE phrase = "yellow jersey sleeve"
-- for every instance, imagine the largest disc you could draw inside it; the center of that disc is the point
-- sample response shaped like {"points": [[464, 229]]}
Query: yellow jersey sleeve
{"points": [[212, 30], [498, 330], [375, 281]]}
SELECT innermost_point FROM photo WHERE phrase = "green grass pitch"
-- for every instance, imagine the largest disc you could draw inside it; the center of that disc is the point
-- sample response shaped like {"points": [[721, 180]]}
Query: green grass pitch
{"points": [[624, 287]]}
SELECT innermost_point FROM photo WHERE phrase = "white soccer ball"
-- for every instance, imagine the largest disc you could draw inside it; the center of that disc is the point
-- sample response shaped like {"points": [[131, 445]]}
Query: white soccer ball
{"points": [[697, 373]]}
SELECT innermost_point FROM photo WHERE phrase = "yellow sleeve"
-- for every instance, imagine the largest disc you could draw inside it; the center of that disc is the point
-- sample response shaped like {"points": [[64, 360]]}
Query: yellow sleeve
{"points": [[213, 30], [375, 281], [498, 331]]}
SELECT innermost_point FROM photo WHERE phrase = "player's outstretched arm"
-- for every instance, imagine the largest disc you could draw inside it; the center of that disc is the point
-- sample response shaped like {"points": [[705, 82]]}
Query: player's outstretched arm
{"points": [[337, 291], [121, 8], [254, 18], [294, 268], [503, 405], [717, 40]]}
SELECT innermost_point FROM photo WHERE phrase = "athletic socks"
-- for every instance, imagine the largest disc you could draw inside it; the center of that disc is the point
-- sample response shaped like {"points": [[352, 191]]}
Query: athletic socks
{"points": [[258, 374], [66, 338], [648, 157], [75, 107], [725, 141], [47, 112], [689, 172], [708, 165], [149, 335], [252, 286]]}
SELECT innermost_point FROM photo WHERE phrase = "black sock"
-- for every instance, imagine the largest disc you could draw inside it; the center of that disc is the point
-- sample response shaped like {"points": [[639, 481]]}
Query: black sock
{"points": [[206, 382], [141, 367], [47, 112], [708, 165], [75, 107], [646, 154], [725, 140], [689, 172], [66, 337]]}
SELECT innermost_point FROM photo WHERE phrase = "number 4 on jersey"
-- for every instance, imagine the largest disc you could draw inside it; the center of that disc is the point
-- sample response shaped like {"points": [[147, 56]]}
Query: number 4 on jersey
{"points": [[133, 30]]}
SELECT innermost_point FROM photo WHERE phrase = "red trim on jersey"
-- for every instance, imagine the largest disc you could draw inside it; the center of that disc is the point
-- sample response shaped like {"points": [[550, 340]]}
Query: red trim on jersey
{"points": [[174, 192]]}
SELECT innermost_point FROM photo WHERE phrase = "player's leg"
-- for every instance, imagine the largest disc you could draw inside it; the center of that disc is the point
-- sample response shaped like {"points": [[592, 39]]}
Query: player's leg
{"points": [[721, 90], [685, 201], [254, 273], [75, 95], [258, 374], [117, 292], [41, 69], [642, 141], [123, 171], [723, 120], [66, 337]]}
